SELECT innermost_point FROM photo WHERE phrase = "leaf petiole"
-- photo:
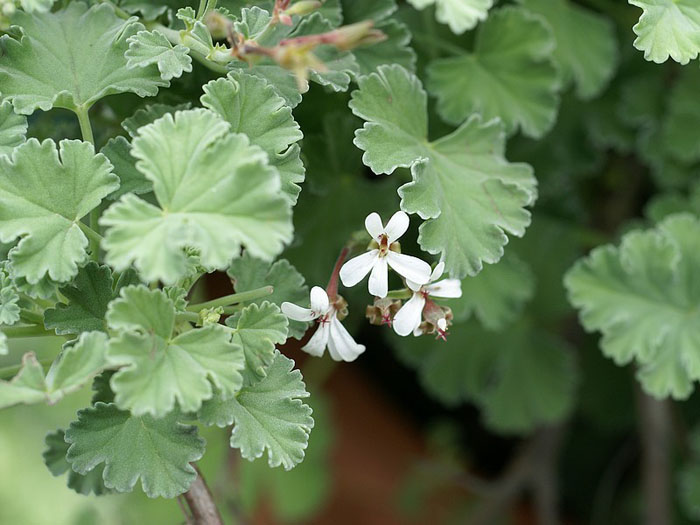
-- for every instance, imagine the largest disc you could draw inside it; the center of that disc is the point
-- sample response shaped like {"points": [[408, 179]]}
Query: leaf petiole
{"points": [[232, 299], [27, 331]]}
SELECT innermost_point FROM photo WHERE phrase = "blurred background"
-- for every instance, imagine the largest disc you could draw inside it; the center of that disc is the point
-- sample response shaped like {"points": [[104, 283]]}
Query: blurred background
{"points": [[518, 417]]}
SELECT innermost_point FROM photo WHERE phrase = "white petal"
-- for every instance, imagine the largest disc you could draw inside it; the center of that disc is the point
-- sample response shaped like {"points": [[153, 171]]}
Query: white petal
{"points": [[397, 226], [437, 271], [341, 345], [298, 313], [442, 324], [447, 288], [418, 332], [374, 226], [357, 268], [408, 319], [319, 300], [411, 268], [318, 342], [413, 286], [379, 279]]}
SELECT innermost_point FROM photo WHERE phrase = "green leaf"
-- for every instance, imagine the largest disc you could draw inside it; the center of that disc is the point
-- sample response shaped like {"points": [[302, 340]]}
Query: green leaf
{"points": [[497, 295], [41, 6], [77, 365], [257, 330], [216, 194], [268, 415], [37, 206], [159, 369], [641, 296], [509, 75], [248, 273], [151, 47], [55, 459], [520, 378], [668, 28], [681, 116], [86, 62], [253, 107], [586, 48], [460, 15], [88, 296], [148, 115], [9, 309], [158, 451], [469, 195], [131, 180], [4, 350], [13, 128]]}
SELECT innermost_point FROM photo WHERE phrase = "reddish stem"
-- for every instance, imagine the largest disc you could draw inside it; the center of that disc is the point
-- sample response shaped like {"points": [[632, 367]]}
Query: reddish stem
{"points": [[332, 288]]}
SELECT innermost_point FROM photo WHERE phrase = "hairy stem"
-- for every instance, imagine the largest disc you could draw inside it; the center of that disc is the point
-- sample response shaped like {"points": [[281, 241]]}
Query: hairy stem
{"points": [[232, 299], [27, 331], [91, 234], [86, 131], [655, 435], [332, 288], [201, 503]]}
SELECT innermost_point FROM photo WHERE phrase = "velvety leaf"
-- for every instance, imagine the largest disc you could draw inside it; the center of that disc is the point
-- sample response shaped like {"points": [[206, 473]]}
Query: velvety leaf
{"points": [[151, 47], [13, 128], [9, 309], [131, 180], [55, 459], [460, 15]]}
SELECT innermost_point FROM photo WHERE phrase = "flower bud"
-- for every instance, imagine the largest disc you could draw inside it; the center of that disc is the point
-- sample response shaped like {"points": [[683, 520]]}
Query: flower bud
{"points": [[218, 25], [9, 9], [355, 35], [382, 311], [303, 8], [210, 316]]}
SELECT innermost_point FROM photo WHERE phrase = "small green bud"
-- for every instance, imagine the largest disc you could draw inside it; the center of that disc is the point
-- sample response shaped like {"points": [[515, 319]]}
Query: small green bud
{"points": [[303, 8]]}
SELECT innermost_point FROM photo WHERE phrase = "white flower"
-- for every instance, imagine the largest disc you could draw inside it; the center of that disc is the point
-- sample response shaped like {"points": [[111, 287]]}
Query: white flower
{"points": [[330, 333], [409, 318], [377, 260]]}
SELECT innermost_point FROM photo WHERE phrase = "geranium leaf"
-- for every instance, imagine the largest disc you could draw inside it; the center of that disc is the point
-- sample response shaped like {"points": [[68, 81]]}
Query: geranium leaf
{"points": [[668, 28], [460, 15], [641, 296], [158, 369], [462, 185], [9, 309], [257, 330], [216, 193], [31, 6], [151, 47], [86, 62], [576, 28], [253, 107], [77, 365], [509, 75], [157, 451], [268, 415], [13, 128], [148, 115], [249, 273], [35, 206], [55, 459], [131, 180]]}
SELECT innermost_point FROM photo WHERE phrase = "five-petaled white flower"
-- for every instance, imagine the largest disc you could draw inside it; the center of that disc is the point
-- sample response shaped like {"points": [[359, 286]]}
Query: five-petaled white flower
{"points": [[409, 318], [330, 333], [377, 259]]}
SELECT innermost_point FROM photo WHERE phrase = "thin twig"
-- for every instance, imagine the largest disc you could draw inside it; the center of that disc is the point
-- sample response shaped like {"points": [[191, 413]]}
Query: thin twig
{"points": [[655, 435], [201, 503]]}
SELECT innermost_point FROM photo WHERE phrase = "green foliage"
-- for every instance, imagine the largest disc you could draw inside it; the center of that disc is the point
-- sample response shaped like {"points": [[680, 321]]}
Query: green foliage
{"points": [[267, 416], [55, 459], [459, 15], [456, 179], [9, 309], [510, 75], [641, 297], [13, 128], [84, 43], [668, 28], [236, 203], [34, 206], [151, 47], [157, 451]]}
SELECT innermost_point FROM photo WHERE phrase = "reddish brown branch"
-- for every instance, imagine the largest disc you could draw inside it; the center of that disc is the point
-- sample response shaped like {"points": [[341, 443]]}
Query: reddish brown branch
{"points": [[201, 503]]}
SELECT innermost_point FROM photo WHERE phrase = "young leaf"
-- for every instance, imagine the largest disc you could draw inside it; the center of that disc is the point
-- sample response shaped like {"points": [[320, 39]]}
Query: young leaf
{"points": [[268, 415], [216, 194], [460, 15], [158, 451], [462, 185], [9, 309], [75, 367], [253, 107], [257, 330], [668, 28], [36, 206], [159, 369], [641, 296], [151, 47], [13, 128], [88, 296], [55, 459], [509, 75], [86, 62], [248, 273], [576, 28]]}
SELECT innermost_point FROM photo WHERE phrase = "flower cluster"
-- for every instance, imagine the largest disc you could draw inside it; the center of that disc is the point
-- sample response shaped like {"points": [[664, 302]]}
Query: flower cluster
{"points": [[419, 315]]}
